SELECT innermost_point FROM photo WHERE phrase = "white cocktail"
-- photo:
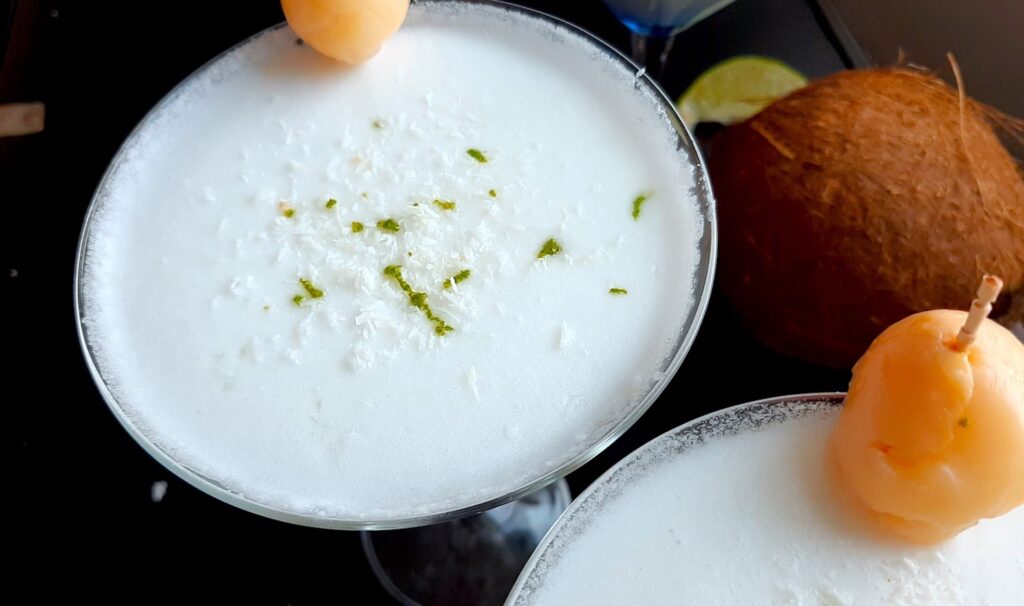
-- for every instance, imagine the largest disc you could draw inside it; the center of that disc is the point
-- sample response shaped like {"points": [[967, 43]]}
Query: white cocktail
{"points": [[394, 295], [349, 406], [387, 296], [739, 508]]}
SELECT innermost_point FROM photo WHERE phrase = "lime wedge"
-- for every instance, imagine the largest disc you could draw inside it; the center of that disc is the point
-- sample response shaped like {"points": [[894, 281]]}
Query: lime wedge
{"points": [[736, 89]]}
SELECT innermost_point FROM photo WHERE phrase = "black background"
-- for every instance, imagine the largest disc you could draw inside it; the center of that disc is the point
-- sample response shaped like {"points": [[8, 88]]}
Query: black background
{"points": [[78, 488]]}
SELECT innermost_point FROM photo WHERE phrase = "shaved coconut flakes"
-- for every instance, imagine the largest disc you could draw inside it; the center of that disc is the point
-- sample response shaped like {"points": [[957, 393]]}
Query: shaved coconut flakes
{"points": [[318, 243]]}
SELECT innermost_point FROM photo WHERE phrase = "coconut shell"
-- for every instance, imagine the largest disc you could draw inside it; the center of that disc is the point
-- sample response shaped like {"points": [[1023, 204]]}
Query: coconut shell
{"points": [[856, 201]]}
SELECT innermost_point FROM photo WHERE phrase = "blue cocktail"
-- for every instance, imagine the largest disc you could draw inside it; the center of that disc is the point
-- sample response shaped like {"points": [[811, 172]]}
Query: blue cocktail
{"points": [[656, 22]]}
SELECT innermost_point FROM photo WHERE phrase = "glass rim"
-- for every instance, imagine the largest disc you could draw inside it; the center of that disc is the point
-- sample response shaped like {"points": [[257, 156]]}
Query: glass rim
{"points": [[703, 278], [830, 399]]}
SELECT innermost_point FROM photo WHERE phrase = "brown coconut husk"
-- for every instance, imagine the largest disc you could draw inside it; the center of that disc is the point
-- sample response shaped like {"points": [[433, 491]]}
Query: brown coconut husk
{"points": [[858, 200]]}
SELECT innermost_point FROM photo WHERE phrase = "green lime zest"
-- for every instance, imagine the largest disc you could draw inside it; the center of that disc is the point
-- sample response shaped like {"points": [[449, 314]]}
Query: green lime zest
{"points": [[492, 193], [297, 300], [638, 203], [418, 300], [377, 124], [618, 291], [313, 291], [444, 204], [477, 155], [458, 278], [551, 247], [331, 203], [357, 227], [388, 224]]}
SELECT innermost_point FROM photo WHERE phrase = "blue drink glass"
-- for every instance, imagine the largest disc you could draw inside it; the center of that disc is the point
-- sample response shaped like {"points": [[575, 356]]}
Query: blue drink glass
{"points": [[654, 23]]}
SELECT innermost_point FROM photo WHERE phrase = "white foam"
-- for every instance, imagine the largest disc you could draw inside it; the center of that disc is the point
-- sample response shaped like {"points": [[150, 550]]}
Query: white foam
{"points": [[349, 406], [742, 511]]}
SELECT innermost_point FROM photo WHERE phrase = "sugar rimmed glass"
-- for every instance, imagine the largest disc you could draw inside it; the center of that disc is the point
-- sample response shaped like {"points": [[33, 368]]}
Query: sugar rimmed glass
{"points": [[707, 247], [671, 445], [688, 155]]}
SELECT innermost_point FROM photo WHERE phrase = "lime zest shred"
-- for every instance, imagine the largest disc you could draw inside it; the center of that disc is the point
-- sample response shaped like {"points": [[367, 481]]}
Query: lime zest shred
{"points": [[313, 291], [477, 155], [297, 300], [551, 247], [286, 209], [418, 300], [444, 204], [638, 204], [458, 278], [388, 224], [377, 124], [331, 203], [357, 227], [618, 291], [492, 193]]}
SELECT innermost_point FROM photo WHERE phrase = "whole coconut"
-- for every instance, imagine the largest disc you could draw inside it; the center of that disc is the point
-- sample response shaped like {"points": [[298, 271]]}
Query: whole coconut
{"points": [[856, 201]]}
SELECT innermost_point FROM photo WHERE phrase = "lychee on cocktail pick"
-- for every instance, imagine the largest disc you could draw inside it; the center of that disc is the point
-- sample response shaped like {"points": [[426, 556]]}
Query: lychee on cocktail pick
{"points": [[931, 437], [980, 309]]}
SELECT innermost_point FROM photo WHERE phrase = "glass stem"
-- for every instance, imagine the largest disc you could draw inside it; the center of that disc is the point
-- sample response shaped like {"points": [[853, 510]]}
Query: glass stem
{"points": [[471, 561], [639, 43], [651, 52]]}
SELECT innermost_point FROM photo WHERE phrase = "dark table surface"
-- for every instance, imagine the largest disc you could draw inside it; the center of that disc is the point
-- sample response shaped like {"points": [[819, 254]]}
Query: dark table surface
{"points": [[79, 485]]}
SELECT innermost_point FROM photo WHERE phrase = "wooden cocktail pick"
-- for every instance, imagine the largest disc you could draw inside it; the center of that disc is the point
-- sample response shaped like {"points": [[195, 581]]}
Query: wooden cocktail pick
{"points": [[980, 309]]}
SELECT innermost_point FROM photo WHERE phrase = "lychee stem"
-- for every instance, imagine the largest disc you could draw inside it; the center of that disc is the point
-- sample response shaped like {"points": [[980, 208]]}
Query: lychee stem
{"points": [[980, 309]]}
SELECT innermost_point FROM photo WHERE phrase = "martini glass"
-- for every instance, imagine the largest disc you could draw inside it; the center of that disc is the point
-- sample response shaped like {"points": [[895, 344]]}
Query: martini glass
{"points": [[655, 23], [554, 559], [472, 550]]}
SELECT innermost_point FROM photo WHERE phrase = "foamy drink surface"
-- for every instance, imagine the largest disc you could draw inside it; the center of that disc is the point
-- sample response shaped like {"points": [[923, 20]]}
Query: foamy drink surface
{"points": [[400, 289]]}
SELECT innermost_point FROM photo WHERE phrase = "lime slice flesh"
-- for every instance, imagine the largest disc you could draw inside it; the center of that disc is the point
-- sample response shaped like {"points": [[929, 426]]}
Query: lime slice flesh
{"points": [[736, 89]]}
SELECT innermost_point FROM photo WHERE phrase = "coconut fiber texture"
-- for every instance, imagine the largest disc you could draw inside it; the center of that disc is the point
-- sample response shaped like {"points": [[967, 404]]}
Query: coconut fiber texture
{"points": [[858, 200]]}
